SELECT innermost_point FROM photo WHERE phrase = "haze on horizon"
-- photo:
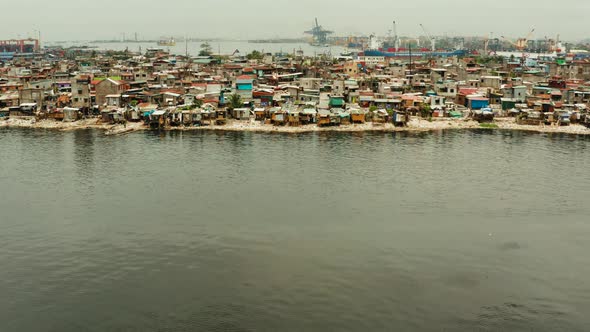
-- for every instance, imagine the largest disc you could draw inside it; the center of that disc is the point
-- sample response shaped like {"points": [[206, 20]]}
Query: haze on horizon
{"points": [[109, 19]]}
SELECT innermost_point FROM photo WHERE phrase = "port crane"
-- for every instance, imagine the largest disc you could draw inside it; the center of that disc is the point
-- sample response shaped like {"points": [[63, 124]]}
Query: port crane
{"points": [[320, 35], [493, 48], [521, 43], [432, 39], [395, 37]]}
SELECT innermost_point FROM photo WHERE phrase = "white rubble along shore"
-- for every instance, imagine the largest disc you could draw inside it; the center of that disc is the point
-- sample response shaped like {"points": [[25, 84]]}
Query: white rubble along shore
{"points": [[415, 124]]}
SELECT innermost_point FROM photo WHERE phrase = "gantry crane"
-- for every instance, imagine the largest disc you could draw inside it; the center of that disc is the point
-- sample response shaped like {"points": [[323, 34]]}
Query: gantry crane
{"points": [[320, 35]]}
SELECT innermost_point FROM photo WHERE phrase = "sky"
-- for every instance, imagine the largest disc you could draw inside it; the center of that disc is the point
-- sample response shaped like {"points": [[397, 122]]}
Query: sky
{"points": [[63, 20]]}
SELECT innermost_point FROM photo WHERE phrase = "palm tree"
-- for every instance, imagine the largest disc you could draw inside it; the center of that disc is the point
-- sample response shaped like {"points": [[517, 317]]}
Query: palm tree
{"points": [[235, 101]]}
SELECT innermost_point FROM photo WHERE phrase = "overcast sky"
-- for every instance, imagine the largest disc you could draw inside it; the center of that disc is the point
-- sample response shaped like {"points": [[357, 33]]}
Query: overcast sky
{"points": [[247, 19]]}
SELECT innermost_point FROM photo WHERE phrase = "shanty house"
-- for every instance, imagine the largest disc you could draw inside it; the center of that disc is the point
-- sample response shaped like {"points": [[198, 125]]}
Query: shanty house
{"points": [[109, 87]]}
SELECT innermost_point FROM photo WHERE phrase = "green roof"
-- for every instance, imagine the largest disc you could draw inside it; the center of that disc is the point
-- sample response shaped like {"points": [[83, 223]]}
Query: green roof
{"points": [[336, 102]]}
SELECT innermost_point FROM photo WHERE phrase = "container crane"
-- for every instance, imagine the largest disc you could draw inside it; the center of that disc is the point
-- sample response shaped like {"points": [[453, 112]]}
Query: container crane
{"points": [[320, 35], [493, 48]]}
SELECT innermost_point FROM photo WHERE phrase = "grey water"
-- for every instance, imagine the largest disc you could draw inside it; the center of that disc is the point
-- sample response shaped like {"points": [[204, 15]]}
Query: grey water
{"points": [[213, 231], [221, 47]]}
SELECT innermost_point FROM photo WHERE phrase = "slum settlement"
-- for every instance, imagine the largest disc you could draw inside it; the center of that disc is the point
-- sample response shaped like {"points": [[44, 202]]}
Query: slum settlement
{"points": [[64, 88]]}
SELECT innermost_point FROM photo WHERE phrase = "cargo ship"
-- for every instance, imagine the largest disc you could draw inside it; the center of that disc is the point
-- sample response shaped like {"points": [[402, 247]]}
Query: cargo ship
{"points": [[392, 49], [167, 42], [418, 53]]}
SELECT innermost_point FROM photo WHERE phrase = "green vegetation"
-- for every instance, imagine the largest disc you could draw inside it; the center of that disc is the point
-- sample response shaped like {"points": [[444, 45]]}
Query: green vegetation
{"points": [[372, 108], [487, 60], [198, 103], [488, 125], [235, 101], [255, 55], [425, 111], [206, 49]]}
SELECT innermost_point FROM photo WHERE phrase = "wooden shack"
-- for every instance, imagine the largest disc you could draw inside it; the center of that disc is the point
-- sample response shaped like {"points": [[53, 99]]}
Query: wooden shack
{"points": [[25, 109], [260, 114], [279, 118], [70, 114], [548, 118], [530, 118], [158, 119], [106, 116], [57, 115], [221, 117], [207, 117], [334, 119], [187, 118], [175, 117], [308, 116], [344, 117], [563, 118], [401, 118], [293, 118], [323, 118], [132, 115], [358, 116], [241, 113], [483, 116], [380, 116]]}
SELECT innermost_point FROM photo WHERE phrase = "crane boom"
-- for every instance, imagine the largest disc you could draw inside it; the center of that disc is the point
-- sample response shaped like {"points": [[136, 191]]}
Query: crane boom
{"points": [[432, 39], [510, 41]]}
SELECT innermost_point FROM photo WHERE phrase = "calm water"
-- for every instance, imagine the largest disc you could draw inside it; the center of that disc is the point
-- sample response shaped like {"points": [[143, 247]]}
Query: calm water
{"points": [[225, 47], [450, 231]]}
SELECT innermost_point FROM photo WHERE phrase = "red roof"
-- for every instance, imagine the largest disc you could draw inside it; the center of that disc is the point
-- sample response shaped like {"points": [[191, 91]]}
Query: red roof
{"points": [[468, 91], [232, 66], [245, 77], [262, 93]]}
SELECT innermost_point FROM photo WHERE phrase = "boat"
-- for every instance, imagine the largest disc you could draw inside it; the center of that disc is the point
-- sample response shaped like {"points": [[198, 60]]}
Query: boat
{"points": [[167, 42]]}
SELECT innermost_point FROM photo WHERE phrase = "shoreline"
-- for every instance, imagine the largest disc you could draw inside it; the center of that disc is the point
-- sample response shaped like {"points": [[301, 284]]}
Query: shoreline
{"points": [[415, 125]]}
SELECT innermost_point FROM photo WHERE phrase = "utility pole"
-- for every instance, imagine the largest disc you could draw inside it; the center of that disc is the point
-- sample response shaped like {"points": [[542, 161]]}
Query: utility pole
{"points": [[410, 46]]}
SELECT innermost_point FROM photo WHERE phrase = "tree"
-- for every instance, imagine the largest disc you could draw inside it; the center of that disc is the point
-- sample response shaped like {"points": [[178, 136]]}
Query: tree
{"points": [[235, 101], [425, 111], [255, 55], [206, 49], [512, 58]]}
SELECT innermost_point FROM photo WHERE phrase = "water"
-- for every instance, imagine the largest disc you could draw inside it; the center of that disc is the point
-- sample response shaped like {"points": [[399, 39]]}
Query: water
{"points": [[223, 47], [455, 231]]}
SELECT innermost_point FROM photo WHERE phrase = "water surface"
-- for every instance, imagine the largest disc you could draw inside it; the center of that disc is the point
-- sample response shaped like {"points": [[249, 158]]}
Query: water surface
{"points": [[444, 231]]}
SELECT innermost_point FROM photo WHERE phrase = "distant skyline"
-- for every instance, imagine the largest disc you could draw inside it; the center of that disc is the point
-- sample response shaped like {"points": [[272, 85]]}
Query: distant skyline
{"points": [[109, 19]]}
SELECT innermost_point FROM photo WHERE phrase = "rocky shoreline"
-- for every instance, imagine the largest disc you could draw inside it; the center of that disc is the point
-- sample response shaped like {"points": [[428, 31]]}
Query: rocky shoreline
{"points": [[415, 125]]}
